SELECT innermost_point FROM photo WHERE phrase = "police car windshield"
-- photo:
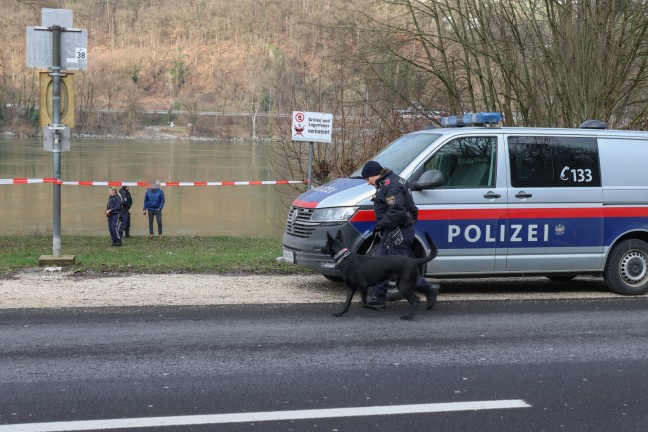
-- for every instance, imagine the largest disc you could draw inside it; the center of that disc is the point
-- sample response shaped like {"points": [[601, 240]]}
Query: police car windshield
{"points": [[397, 155]]}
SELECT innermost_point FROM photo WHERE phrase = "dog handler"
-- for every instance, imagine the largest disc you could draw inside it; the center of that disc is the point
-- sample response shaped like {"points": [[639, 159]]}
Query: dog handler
{"points": [[395, 215]]}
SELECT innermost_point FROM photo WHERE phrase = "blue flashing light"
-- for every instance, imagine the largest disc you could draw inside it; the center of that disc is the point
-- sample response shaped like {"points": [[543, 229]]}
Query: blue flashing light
{"points": [[478, 119]]}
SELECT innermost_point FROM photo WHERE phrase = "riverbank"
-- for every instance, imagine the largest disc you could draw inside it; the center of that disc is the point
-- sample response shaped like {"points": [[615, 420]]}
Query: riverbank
{"points": [[156, 133], [162, 125], [140, 254]]}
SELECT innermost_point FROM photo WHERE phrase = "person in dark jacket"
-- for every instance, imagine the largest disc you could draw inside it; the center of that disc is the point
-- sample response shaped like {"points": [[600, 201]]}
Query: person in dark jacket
{"points": [[113, 208], [124, 216], [396, 215], [153, 204]]}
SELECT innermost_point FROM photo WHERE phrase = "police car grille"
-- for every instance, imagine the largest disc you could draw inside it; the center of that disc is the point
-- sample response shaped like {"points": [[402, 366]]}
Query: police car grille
{"points": [[299, 223]]}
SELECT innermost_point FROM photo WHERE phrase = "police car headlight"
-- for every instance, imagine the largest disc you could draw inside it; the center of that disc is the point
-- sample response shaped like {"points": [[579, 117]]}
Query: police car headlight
{"points": [[333, 214]]}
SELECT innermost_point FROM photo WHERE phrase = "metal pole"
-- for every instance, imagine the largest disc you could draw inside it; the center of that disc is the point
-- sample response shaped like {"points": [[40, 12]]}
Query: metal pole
{"points": [[310, 166], [56, 154]]}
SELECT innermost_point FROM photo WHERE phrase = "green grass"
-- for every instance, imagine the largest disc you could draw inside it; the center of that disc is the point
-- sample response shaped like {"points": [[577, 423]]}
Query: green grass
{"points": [[181, 254]]}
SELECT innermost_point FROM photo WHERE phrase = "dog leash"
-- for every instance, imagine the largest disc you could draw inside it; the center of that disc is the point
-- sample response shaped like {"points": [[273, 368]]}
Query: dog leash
{"points": [[372, 242]]}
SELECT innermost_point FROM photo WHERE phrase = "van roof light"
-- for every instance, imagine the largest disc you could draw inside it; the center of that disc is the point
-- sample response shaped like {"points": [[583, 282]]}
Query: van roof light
{"points": [[478, 119], [593, 124]]}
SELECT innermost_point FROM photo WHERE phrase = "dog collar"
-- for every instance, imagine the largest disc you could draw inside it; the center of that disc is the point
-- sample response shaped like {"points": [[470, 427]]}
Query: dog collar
{"points": [[338, 257]]}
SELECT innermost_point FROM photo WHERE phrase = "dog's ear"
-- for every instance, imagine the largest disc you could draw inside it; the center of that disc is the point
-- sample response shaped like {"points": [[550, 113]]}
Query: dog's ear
{"points": [[338, 236], [327, 247]]}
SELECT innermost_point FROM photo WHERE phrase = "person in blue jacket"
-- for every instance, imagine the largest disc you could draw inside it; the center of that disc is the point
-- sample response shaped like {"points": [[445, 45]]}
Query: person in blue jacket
{"points": [[153, 204], [113, 208]]}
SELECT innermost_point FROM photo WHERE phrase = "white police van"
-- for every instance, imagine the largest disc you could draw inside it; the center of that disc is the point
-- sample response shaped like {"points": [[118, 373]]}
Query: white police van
{"points": [[500, 201]]}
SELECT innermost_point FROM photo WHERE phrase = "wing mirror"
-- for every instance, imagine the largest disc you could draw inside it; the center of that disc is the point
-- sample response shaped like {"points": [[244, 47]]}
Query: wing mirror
{"points": [[429, 180]]}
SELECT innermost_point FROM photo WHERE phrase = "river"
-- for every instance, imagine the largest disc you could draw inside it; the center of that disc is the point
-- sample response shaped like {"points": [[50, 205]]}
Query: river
{"points": [[252, 211]]}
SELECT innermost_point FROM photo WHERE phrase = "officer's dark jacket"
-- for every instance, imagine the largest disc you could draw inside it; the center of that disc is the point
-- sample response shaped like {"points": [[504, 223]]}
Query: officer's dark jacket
{"points": [[393, 202], [114, 204], [126, 199]]}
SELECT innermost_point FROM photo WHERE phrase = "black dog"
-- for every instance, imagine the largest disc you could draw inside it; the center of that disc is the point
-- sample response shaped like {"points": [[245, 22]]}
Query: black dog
{"points": [[361, 272]]}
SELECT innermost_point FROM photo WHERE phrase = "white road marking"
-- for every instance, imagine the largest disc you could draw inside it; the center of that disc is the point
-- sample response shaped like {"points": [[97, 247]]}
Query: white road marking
{"points": [[143, 422]]}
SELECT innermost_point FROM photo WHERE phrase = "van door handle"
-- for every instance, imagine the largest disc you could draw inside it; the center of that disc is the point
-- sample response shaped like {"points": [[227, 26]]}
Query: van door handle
{"points": [[523, 195], [491, 194]]}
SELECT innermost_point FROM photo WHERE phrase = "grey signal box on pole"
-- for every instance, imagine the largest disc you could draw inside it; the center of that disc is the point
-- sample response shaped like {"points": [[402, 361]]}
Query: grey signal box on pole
{"points": [[74, 42]]}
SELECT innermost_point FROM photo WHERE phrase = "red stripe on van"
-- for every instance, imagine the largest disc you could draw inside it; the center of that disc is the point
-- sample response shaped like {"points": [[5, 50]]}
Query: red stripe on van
{"points": [[461, 214], [625, 211], [503, 213], [305, 204], [364, 216]]}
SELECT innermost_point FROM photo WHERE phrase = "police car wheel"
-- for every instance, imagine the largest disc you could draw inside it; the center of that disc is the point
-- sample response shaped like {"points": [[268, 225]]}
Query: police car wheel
{"points": [[626, 270]]}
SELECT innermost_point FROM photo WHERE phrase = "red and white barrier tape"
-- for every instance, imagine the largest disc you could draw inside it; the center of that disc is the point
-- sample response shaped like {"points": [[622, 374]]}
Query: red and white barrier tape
{"points": [[27, 180], [148, 184]]}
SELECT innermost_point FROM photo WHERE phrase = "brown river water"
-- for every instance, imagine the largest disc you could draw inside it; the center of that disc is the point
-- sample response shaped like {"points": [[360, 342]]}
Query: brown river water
{"points": [[251, 211]]}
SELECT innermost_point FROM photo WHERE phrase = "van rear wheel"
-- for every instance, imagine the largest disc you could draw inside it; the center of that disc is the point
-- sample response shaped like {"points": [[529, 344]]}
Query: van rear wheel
{"points": [[626, 270]]}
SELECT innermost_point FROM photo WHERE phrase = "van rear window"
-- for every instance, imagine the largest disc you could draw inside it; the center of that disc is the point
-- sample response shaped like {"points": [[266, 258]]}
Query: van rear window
{"points": [[549, 161]]}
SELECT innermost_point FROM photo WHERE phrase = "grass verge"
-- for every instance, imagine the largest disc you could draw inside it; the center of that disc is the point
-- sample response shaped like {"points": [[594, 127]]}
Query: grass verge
{"points": [[94, 254]]}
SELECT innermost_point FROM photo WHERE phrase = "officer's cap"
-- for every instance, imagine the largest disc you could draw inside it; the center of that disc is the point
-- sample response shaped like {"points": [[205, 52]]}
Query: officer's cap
{"points": [[371, 168]]}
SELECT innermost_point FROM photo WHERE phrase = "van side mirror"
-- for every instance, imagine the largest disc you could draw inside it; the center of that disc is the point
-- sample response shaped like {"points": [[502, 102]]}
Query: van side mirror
{"points": [[429, 180]]}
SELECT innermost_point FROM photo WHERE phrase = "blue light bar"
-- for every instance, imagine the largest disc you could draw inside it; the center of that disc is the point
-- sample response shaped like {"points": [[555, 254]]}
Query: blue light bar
{"points": [[478, 119]]}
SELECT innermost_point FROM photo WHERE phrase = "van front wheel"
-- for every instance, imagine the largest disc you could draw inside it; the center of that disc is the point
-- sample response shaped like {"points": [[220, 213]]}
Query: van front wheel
{"points": [[626, 270]]}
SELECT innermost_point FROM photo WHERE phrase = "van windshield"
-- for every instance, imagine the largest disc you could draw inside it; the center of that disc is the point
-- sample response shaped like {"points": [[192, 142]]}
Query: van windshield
{"points": [[397, 155]]}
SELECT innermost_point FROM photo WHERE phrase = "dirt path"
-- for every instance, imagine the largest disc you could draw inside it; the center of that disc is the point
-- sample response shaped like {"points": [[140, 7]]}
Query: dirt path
{"points": [[39, 288]]}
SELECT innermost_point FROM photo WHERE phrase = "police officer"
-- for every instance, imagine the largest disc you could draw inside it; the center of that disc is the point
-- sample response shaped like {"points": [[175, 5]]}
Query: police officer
{"points": [[124, 216], [113, 208], [395, 215]]}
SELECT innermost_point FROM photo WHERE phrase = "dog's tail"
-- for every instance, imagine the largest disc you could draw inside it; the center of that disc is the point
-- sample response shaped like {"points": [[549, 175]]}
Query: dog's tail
{"points": [[433, 250]]}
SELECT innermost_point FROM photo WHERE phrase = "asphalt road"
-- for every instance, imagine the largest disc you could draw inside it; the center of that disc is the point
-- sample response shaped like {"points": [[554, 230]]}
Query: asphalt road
{"points": [[530, 365]]}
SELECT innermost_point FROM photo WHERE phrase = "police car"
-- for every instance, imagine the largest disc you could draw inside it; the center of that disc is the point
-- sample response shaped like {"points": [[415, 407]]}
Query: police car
{"points": [[500, 201]]}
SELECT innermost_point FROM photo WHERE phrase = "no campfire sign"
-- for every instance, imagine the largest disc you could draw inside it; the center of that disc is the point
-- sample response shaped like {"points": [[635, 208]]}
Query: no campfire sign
{"points": [[312, 126]]}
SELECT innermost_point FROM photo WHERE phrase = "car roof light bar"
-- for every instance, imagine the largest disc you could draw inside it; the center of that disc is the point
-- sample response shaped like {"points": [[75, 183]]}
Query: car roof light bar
{"points": [[478, 119]]}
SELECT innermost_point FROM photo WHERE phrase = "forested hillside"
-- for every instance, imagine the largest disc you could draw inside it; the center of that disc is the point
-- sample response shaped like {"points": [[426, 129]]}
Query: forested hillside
{"points": [[209, 55]]}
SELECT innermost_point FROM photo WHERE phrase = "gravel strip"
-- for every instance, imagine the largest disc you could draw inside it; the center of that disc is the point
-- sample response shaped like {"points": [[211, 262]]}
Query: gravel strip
{"points": [[47, 288]]}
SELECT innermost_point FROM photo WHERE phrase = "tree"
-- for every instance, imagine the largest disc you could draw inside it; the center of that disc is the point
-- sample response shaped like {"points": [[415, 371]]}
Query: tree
{"points": [[85, 97], [177, 77], [549, 63]]}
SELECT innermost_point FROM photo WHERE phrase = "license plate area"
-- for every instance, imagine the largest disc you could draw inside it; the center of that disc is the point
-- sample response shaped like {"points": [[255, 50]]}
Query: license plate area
{"points": [[289, 256]]}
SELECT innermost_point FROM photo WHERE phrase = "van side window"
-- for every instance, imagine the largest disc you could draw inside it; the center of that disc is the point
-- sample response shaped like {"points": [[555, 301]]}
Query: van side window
{"points": [[467, 162], [547, 161]]}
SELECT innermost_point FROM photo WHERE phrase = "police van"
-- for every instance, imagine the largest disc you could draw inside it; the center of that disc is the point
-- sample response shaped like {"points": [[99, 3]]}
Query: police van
{"points": [[500, 201]]}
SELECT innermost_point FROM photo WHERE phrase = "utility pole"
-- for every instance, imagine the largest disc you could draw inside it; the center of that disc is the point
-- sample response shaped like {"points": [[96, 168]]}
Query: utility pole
{"points": [[56, 152], [58, 47]]}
